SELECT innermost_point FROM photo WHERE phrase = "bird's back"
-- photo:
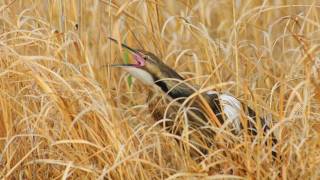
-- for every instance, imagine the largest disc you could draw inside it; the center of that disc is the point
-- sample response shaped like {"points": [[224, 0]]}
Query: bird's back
{"points": [[228, 110]]}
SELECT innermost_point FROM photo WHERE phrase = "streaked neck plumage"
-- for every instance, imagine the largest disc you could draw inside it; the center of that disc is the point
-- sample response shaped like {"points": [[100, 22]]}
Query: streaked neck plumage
{"points": [[173, 84]]}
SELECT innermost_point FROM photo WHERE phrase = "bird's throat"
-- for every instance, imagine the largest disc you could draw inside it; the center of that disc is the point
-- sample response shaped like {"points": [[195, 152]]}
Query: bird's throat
{"points": [[140, 74]]}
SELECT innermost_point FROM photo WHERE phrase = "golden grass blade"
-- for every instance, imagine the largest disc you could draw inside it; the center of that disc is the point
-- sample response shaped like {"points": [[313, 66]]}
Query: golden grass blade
{"points": [[62, 116]]}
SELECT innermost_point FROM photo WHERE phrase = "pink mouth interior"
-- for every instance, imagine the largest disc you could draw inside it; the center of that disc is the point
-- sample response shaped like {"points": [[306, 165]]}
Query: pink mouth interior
{"points": [[139, 59]]}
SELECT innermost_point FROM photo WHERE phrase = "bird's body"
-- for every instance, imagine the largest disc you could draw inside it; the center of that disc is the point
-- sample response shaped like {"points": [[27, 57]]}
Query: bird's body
{"points": [[204, 110]]}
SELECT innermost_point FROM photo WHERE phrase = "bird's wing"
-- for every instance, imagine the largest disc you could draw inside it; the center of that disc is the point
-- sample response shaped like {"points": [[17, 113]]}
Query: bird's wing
{"points": [[230, 107]]}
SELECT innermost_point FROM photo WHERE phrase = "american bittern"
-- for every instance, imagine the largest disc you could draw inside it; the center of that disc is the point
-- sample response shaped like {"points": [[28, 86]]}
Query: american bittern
{"points": [[205, 109]]}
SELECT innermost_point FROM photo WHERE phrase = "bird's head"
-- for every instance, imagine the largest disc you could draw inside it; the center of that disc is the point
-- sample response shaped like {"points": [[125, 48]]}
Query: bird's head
{"points": [[148, 68]]}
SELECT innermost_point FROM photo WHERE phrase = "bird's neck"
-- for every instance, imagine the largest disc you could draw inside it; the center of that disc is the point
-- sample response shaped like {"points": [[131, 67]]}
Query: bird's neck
{"points": [[172, 83], [176, 88]]}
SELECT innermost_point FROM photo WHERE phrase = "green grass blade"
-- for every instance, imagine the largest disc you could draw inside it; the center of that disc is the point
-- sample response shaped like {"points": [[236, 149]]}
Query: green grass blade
{"points": [[126, 60]]}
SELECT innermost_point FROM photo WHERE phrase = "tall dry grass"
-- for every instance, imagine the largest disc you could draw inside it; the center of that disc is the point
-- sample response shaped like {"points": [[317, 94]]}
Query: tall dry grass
{"points": [[63, 114]]}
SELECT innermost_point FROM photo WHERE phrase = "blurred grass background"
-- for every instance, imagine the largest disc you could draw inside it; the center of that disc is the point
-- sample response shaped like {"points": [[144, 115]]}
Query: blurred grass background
{"points": [[65, 114]]}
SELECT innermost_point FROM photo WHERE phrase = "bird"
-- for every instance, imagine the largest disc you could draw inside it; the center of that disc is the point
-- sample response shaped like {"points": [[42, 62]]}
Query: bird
{"points": [[224, 108]]}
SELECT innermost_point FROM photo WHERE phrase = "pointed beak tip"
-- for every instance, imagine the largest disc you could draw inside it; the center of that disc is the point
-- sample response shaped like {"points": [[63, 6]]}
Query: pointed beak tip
{"points": [[112, 39], [124, 45]]}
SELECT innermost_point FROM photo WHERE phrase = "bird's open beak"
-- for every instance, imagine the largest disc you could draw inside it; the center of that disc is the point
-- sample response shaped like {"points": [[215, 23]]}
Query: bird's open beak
{"points": [[138, 56]]}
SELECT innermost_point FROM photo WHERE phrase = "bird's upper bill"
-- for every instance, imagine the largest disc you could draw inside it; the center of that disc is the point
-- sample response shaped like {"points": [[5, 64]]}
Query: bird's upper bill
{"points": [[138, 56]]}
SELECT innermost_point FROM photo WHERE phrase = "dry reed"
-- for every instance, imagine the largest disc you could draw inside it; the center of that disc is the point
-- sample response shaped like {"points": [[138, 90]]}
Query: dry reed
{"points": [[64, 114]]}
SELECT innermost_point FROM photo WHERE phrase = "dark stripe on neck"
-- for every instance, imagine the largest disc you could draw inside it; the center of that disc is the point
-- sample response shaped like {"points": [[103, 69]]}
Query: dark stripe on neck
{"points": [[178, 91], [162, 85], [177, 94]]}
